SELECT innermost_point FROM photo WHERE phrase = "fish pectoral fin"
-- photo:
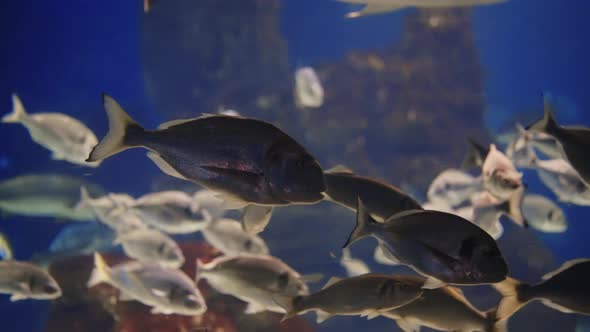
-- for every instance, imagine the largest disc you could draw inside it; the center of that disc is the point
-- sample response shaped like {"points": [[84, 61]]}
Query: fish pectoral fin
{"points": [[433, 283], [254, 308], [164, 166], [232, 202], [557, 307], [322, 316], [17, 297]]}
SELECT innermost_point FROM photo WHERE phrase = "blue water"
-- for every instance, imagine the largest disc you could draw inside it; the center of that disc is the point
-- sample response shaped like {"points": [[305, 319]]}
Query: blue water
{"points": [[60, 55]]}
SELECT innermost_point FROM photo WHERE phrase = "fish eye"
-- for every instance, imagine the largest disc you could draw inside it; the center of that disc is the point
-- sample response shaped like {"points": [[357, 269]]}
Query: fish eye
{"points": [[283, 280], [550, 214], [248, 244], [191, 302], [49, 289], [162, 249]]}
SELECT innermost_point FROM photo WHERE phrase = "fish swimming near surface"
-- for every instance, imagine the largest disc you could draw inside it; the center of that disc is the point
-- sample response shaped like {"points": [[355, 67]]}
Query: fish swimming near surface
{"points": [[500, 176], [452, 187], [46, 195], [444, 247], [228, 236], [565, 289], [543, 214], [384, 6], [367, 295], [573, 141], [67, 138], [309, 92], [150, 245], [248, 161], [173, 212], [255, 218], [23, 280], [383, 200], [443, 309], [167, 291], [253, 279]]}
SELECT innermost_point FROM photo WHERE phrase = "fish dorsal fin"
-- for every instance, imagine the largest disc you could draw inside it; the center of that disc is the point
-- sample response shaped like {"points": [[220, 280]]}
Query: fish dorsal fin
{"points": [[403, 214], [164, 166], [322, 316], [557, 307], [332, 281], [340, 169], [176, 122], [564, 267]]}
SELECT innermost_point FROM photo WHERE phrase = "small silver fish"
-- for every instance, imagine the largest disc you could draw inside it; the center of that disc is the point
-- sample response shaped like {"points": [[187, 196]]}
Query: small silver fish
{"points": [[500, 177], [563, 180], [373, 7], [67, 138], [173, 212], [149, 245], [255, 218], [441, 246], [564, 289], [253, 279], [573, 141], [353, 266], [543, 214], [112, 210], [228, 236], [24, 280], [309, 92], [167, 291], [367, 295], [452, 187]]}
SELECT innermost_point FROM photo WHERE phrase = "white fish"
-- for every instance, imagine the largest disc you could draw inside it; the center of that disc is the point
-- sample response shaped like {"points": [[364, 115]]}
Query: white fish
{"points": [[383, 6], [353, 266], [452, 187], [308, 89], [228, 237], [67, 138], [113, 211], [24, 280], [500, 177], [166, 290], [563, 180], [173, 212], [255, 218], [543, 214], [149, 245], [253, 279]]}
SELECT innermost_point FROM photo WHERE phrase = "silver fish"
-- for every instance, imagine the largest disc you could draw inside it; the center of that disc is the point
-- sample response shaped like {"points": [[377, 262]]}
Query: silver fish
{"points": [[67, 138], [308, 88], [543, 214], [573, 141], [228, 236], [247, 160], [173, 212], [253, 279], [112, 210], [443, 309], [564, 289], [373, 7], [452, 187], [444, 247], [24, 280], [563, 180], [46, 195], [500, 177], [367, 295], [150, 245], [255, 218], [166, 290]]}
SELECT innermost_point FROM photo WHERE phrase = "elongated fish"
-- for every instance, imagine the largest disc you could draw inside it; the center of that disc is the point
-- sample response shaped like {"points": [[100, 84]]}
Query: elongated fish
{"points": [[383, 6], [46, 195], [441, 246], [67, 138], [24, 280], [383, 200], [565, 289], [443, 309], [167, 291], [247, 160], [367, 295]]}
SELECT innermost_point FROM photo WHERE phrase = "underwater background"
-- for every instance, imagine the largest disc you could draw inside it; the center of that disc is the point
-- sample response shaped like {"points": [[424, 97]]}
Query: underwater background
{"points": [[402, 96]]}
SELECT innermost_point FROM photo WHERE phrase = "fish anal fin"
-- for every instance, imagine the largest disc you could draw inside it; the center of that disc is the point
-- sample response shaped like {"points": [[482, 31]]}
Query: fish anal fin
{"points": [[173, 123], [164, 166]]}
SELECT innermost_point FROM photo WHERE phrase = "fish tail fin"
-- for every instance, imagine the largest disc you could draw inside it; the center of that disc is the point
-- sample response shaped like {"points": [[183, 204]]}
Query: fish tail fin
{"points": [[18, 111], [512, 298], [547, 123], [513, 208], [475, 155], [290, 304], [363, 225], [123, 133], [100, 273]]}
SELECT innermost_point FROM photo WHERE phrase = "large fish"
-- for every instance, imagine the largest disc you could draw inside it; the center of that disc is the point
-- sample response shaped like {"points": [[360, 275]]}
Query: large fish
{"points": [[443, 309], [383, 200], [24, 280], [574, 141], [247, 160], [565, 289], [46, 195], [366, 295], [67, 138], [384, 6], [441, 246]]}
